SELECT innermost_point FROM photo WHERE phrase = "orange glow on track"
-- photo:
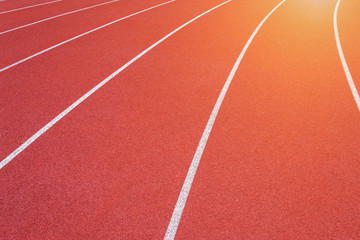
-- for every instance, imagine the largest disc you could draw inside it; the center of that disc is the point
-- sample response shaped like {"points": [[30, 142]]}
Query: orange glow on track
{"points": [[282, 159]]}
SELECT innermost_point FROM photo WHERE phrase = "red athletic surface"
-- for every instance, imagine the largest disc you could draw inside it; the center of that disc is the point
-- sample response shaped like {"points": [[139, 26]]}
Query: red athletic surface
{"points": [[8, 5], [282, 161]]}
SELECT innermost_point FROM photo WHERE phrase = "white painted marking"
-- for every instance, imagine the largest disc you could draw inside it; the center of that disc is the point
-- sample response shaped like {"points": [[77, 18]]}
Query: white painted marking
{"points": [[180, 204], [47, 19], [97, 87], [17, 9], [78, 36], [343, 61]]}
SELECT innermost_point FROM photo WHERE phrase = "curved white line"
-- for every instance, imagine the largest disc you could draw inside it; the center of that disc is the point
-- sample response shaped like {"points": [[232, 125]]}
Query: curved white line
{"points": [[17, 9], [94, 89], [343, 61], [60, 15], [180, 204]]}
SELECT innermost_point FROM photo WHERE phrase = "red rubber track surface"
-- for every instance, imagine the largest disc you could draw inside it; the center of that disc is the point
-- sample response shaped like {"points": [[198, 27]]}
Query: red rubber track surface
{"points": [[35, 38], [26, 16], [8, 5], [41, 86], [283, 158], [282, 161], [348, 20]]}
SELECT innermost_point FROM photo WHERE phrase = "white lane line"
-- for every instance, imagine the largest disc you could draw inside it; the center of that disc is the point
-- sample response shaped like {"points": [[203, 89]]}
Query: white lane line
{"points": [[94, 89], [17, 9], [63, 14], [343, 61], [78, 36], [180, 204]]}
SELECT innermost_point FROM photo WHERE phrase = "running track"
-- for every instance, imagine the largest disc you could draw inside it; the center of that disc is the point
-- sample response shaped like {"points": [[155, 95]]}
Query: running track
{"points": [[281, 161]]}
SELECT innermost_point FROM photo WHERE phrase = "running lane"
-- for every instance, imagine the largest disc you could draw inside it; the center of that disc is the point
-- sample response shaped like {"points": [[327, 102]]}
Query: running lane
{"points": [[10, 5], [282, 161], [22, 43], [36, 91], [112, 168], [348, 24], [26, 16]]}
